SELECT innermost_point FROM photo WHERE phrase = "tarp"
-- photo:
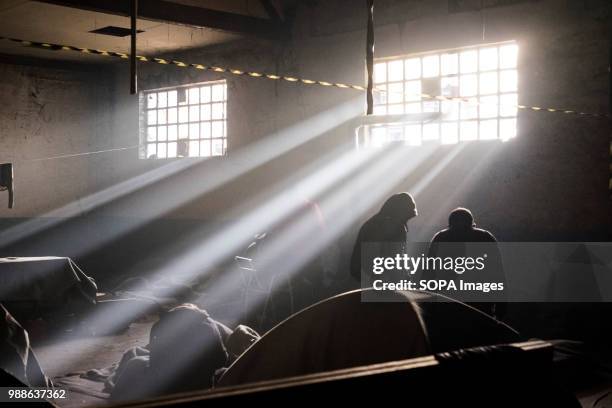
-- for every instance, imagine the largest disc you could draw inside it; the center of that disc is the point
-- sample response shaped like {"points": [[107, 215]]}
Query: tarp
{"points": [[16, 356], [45, 280]]}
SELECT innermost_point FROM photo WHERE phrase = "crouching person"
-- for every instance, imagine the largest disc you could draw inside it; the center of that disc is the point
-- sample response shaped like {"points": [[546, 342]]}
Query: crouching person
{"points": [[185, 350]]}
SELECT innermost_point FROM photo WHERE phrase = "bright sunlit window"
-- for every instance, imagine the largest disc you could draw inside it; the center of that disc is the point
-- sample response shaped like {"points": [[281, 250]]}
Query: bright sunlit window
{"points": [[187, 121], [487, 75]]}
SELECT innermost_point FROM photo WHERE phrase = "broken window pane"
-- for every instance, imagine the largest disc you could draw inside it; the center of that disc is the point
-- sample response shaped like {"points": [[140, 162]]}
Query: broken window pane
{"points": [[151, 100]]}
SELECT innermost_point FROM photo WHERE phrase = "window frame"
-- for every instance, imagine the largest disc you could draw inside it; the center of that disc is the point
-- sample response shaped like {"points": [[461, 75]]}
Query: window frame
{"points": [[179, 132], [502, 112]]}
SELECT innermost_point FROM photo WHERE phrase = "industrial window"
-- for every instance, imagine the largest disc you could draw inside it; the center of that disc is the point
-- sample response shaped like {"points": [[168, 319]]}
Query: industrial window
{"points": [[485, 75], [187, 121]]}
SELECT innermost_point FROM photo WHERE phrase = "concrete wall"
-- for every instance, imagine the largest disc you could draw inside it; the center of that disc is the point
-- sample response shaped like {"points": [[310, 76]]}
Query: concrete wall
{"points": [[548, 184], [46, 113]]}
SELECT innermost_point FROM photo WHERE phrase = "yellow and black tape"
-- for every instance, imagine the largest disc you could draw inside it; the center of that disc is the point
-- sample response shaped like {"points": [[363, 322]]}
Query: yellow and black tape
{"points": [[276, 77], [182, 64], [523, 107]]}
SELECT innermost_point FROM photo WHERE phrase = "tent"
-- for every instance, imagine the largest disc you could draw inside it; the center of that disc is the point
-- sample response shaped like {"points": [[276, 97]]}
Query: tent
{"points": [[343, 332]]}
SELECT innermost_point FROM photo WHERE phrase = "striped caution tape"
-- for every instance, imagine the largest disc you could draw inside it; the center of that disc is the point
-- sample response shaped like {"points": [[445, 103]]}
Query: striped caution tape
{"points": [[254, 74], [164, 61], [474, 101]]}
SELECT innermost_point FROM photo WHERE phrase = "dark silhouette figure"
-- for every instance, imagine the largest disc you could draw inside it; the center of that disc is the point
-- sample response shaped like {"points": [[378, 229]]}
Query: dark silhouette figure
{"points": [[386, 230], [185, 349], [461, 230]]}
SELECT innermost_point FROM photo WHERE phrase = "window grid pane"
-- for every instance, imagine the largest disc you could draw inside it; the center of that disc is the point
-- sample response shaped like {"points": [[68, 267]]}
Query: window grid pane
{"points": [[188, 121], [486, 75]]}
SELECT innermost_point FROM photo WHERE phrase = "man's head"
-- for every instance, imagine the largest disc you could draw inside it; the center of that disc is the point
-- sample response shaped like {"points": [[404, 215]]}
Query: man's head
{"points": [[460, 218], [400, 207]]}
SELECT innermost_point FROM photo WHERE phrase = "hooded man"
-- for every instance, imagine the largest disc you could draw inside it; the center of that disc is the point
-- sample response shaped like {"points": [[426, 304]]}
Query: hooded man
{"points": [[384, 233]]}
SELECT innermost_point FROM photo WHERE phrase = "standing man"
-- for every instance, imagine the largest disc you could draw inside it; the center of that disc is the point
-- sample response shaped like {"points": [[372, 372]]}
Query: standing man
{"points": [[385, 231], [461, 231], [461, 228]]}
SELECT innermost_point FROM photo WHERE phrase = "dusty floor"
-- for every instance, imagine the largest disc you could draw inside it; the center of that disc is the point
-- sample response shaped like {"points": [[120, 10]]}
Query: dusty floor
{"points": [[74, 354], [77, 354]]}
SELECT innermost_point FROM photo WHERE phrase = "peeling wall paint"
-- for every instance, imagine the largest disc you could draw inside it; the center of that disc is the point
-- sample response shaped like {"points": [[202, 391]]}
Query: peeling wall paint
{"points": [[46, 113]]}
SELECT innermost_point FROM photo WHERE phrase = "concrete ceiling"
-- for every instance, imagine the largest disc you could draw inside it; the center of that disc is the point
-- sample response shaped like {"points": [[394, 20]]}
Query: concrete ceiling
{"points": [[251, 8], [35, 21]]}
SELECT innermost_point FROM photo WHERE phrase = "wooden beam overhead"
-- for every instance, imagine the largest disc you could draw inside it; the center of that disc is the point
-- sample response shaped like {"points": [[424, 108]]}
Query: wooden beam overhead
{"points": [[168, 12]]}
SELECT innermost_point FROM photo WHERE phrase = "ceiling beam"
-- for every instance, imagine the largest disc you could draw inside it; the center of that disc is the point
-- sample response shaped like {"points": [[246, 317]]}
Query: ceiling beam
{"points": [[168, 12]]}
